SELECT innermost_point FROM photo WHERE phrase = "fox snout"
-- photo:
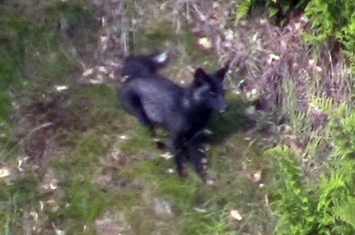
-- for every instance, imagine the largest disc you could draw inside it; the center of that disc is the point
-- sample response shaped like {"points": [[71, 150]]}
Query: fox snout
{"points": [[221, 105], [223, 108]]}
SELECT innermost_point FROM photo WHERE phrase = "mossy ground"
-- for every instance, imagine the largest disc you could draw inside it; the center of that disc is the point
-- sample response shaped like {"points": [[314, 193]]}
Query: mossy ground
{"points": [[99, 171]]}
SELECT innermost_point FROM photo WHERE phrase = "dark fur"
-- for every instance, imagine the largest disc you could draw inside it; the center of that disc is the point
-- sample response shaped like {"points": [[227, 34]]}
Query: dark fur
{"points": [[158, 102], [138, 66]]}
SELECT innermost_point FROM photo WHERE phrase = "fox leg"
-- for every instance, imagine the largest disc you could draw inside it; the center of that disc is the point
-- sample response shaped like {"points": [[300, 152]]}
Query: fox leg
{"points": [[178, 153], [197, 154]]}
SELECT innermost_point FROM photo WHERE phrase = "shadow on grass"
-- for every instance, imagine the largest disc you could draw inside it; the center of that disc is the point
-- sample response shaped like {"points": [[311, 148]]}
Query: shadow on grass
{"points": [[232, 122]]}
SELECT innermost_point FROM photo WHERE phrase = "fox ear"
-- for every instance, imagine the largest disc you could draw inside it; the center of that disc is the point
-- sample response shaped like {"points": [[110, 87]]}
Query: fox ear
{"points": [[160, 58], [221, 73], [200, 76]]}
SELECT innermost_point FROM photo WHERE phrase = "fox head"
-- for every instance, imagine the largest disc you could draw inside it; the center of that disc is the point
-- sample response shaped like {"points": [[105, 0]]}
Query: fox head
{"points": [[143, 65], [208, 89]]}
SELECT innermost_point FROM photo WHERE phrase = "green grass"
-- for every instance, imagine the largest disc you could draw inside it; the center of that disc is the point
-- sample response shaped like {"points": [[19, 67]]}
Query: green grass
{"points": [[15, 199]]}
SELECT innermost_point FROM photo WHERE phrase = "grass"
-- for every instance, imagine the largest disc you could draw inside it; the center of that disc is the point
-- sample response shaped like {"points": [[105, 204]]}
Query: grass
{"points": [[16, 199]]}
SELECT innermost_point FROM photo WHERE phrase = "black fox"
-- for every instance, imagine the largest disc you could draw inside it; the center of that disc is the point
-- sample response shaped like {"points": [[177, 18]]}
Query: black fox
{"points": [[184, 112]]}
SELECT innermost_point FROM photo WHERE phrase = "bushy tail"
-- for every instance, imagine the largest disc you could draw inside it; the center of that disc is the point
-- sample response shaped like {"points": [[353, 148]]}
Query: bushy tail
{"points": [[139, 66]]}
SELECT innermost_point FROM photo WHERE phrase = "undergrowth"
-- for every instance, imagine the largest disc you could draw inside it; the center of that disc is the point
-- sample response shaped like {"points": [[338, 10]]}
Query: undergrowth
{"points": [[324, 205], [314, 162], [331, 21]]}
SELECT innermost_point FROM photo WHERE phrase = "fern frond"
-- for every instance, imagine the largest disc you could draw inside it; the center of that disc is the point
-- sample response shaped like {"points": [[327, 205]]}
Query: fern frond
{"points": [[293, 206], [243, 7], [325, 104], [346, 211], [336, 204]]}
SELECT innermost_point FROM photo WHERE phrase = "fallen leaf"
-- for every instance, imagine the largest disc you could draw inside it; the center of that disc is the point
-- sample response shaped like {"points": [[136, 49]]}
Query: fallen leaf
{"points": [[236, 215], [256, 176], [205, 43], [88, 72], [4, 172]]}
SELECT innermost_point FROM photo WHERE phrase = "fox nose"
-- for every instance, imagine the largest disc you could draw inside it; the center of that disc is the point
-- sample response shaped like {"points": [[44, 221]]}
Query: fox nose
{"points": [[223, 108]]}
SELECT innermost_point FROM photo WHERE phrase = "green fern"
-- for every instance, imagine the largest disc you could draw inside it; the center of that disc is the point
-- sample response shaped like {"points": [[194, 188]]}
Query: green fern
{"points": [[272, 7], [346, 211], [344, 140], [332, 19], [243, 8], [320, 209], [336, 200], [346, 37], [336, 211], [325, 104], [293, 206]]}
